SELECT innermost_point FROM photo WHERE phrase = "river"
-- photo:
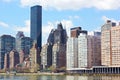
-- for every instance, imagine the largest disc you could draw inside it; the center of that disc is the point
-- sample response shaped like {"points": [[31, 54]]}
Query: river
{"points": [[68, 77]]}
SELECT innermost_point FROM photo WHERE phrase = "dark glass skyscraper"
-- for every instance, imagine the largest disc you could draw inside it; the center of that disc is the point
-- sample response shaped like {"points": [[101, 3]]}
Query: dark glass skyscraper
{"points": [[36, 29], [36, 24]]}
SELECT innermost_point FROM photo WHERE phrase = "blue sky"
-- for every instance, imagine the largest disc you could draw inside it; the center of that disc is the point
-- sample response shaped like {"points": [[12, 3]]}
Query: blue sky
{"points": [[88, 14]]}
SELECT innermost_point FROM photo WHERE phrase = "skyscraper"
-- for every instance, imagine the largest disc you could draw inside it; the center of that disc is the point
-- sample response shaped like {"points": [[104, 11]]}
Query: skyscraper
{"points": [[110, 44], [36, 28], [7, 43], [36, 25]]}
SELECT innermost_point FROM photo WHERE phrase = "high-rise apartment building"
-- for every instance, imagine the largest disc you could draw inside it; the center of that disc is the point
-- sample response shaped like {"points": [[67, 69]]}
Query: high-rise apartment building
{"points": [[84, 51], [110, 44], [36, 28], [72, 53], [94, 49], [7, 43]]}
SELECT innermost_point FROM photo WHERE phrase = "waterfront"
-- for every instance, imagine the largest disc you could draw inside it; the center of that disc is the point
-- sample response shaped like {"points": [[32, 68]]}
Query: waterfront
{"points": [[63, 77]]}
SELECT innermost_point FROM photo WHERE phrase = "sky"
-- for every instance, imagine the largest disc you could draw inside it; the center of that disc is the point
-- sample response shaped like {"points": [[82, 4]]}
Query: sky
{"points": [[88, 14]]}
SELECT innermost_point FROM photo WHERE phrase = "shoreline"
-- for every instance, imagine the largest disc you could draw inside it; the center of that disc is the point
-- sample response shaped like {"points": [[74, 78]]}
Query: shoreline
{"points": [[29, 74], [55, 74]]}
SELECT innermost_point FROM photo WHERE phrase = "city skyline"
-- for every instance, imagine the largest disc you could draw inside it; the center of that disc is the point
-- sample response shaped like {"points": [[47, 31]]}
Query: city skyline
{"points": [[88, 15]]}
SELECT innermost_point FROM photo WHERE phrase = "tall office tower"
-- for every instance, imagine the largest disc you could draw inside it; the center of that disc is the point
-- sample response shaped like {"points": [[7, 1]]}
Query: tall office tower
{"points": [[106, 43], [13, 59], [7, 43], [23, 43], [36, 24], [36, 28], [72, 53]]}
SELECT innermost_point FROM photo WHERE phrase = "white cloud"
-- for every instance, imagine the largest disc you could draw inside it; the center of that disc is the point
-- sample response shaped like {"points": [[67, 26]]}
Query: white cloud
{"points": [[105, 18], [74, 4], [25, 29], [3, 24]]}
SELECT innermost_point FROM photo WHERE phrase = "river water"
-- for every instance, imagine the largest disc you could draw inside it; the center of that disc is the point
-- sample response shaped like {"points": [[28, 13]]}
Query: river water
{"points": [[68, 77]]}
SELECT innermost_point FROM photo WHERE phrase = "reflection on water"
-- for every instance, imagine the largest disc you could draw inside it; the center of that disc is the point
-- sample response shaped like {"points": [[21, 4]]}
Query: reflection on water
{"points": [[68, 77]]}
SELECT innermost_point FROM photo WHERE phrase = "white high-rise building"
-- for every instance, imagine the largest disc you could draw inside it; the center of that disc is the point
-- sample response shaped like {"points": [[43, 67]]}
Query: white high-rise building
{"points": [[72, 53], [82, 50]]}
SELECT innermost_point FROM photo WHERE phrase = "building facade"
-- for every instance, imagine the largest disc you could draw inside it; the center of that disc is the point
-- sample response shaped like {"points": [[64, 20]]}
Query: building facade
{"points": [[59, 47], [59, 55], [36, 28], [72, 53], [60, 35], [7, 43], [33, 58], [75, 31], [36, 24], [24, 43], [46, 56], [115, 46], [94, 49], [110, 44], [106, 51], [82, 51], [13, 59], [54, 52], [6, 61]]}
